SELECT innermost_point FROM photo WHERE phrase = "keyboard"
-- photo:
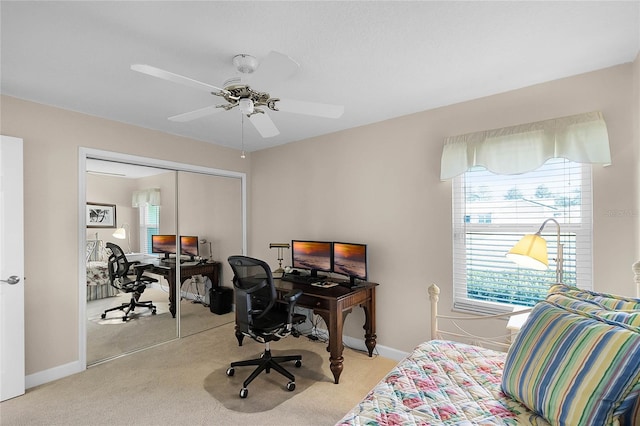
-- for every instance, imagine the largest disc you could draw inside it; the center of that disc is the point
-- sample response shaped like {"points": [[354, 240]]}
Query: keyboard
{"points": [[170, 262], [301, 279]]}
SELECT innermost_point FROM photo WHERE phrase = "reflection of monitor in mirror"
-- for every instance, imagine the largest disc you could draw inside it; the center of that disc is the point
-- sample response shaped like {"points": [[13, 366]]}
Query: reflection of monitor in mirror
{"points": [[351, 260], [163, 244], [189, 246], [312, 255]]}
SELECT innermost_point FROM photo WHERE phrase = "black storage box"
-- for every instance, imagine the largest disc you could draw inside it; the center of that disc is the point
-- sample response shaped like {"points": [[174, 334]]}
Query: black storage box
{"points": [[220, 300]]}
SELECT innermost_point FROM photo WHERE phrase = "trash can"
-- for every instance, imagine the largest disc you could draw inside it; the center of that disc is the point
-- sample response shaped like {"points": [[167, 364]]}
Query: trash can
{"points": [[220, 300]]}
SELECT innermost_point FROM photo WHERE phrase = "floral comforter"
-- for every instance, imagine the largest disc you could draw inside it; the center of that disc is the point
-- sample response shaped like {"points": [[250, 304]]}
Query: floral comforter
{"points": [[443, 383], [98, 283]]}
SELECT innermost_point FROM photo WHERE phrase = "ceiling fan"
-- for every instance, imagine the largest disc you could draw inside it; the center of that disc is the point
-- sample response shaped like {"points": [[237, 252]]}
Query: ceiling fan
{"points": [[237, 92]]}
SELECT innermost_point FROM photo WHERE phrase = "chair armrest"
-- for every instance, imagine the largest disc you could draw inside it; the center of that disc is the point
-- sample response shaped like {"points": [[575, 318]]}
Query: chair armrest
{"points": [[292, 296], [140, 268]]}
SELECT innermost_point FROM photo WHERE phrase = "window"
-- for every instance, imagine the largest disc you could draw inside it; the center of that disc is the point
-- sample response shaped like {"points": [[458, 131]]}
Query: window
{"points": [[492, 212], [149, 225]]}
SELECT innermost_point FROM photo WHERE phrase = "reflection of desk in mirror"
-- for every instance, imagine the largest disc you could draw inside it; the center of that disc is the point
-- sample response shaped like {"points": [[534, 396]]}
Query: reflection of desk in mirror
{"points": [[333, 304], [187, 270]]}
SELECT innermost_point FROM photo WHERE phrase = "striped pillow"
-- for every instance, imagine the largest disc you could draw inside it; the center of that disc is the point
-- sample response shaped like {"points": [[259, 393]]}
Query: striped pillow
{"points": [[602, 305], [609, 301], [565, 300], [573, 368]]}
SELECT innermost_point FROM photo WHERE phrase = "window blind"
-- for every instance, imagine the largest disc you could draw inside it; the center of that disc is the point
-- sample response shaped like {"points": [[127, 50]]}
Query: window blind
{"points": [[149, 225], [492, 212]]}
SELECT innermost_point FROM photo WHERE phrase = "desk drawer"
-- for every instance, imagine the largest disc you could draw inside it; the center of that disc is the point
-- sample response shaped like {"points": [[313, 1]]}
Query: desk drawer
{"points": [[313, 302]]}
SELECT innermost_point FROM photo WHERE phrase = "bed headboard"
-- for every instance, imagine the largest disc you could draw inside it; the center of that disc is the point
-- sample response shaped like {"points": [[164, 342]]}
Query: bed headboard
{"points": [[95, 251], [437, 333], [500, 342]]}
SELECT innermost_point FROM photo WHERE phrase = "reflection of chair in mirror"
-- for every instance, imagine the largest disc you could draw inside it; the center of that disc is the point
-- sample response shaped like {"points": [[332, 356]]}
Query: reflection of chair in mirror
{"points": [[121, 278], [261, 318]]}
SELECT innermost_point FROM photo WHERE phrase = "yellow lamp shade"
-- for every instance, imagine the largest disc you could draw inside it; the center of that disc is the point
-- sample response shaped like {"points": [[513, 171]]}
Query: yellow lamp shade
{"points": [[530, 252]]}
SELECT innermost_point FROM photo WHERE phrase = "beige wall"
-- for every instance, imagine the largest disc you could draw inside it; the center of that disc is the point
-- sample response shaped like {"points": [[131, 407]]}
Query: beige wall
{"points": [[113, 190], [211, 208], [52, 138], [379, 184]]}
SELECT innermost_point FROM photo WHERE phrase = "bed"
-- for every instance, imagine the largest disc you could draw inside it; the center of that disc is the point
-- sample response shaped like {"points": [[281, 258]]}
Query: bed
{"points": [[98, 285], [575, 361]]}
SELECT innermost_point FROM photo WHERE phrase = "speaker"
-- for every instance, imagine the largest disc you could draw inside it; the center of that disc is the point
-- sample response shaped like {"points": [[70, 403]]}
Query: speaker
{"points": [[220, 300]]}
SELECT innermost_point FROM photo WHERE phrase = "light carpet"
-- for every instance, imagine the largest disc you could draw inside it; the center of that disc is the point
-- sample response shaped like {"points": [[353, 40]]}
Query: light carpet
{"points": [[183, 382], [110, 337]]}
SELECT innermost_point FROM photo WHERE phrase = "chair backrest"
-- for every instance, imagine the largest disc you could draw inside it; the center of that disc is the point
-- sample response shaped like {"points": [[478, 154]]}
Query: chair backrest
{"points": [[118, 264], [254, 289]]}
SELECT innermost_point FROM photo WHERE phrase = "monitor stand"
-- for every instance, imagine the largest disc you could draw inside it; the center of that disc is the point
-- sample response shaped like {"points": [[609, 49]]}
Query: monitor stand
{"points": [[314, 275]]}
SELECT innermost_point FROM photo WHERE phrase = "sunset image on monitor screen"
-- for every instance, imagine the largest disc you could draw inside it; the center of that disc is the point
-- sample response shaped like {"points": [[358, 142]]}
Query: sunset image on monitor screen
{"points": [[350, 259], [312, 255], [189, 245], [163, 243]]}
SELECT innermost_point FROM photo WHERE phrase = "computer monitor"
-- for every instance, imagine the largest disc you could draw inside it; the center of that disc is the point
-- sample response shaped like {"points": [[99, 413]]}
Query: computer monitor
{"points": [[189, 246], [351, 260], [312, 255], [163, 244]]}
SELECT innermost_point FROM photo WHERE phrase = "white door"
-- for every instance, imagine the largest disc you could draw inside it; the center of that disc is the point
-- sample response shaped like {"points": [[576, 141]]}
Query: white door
{"points": [[11, 269]]}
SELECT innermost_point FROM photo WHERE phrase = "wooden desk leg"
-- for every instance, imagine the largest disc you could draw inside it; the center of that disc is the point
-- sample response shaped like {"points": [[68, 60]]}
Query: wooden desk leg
{"points": [[213, 276], [172, 292], [370, 322], [335, 320]]}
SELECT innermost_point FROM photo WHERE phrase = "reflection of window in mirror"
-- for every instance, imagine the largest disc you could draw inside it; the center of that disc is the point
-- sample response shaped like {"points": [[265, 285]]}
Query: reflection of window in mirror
{"points": [[149, 225]]}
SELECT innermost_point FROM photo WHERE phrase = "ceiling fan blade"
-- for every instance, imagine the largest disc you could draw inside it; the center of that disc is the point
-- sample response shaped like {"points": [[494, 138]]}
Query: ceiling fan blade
{"points": [[176, 78], [274, 68], [310, 108], [264, 125], [192, 115]]}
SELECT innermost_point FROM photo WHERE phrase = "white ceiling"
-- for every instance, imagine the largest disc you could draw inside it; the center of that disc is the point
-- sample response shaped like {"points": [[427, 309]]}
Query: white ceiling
{"points": [[378, 59]]}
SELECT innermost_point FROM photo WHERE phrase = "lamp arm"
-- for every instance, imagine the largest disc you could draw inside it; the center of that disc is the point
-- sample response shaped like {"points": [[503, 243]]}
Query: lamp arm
{"points": [[560, 257]]}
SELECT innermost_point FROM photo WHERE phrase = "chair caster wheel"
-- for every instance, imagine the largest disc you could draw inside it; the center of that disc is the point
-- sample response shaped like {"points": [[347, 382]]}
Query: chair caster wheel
{"points": [[124, 319], [298, 363], [103, 316], [153, 312], [291, 386], [244, 392], [230, 371]]}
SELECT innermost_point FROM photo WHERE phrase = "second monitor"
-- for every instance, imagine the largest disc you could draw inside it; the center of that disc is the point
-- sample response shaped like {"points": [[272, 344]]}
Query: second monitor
{"points": [[189, 246], [166, 245]]}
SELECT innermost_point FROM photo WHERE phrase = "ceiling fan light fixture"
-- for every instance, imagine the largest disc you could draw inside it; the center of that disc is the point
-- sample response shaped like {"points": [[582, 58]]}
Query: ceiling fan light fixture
{"points": [[246, 64], [246, 106]]}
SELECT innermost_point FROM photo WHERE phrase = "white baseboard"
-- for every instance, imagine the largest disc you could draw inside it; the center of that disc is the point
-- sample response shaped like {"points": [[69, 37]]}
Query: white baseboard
{"points": [[55, 373], [384, 351]]}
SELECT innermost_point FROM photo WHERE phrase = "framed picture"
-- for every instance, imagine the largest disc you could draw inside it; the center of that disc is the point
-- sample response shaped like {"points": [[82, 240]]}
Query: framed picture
{"points": [[101, 215]]}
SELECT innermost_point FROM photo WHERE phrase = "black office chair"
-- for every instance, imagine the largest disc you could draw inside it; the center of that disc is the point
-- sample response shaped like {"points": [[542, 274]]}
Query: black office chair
{"points": [[120, 278], [259, 316]]}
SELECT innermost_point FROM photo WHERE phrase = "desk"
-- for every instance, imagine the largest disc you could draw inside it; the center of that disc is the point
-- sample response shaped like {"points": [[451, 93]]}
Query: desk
{"points": [[333, 304], [187, 270]]}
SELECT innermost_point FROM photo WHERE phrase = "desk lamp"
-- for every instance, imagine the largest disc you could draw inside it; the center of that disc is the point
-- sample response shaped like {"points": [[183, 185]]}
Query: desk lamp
{"points": [[531, 251], [204, 241], [280, 247], [121, 234]]}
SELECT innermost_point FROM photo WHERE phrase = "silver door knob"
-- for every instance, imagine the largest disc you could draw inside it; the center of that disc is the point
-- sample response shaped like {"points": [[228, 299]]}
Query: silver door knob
{"points": [[13, 279]]}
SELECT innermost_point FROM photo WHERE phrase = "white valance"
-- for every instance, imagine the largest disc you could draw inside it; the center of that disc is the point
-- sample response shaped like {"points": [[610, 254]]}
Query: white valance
{"points": [[146, 196], [581, 138]]}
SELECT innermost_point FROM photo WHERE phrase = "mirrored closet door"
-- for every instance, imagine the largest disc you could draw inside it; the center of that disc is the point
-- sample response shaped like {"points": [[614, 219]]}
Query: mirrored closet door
{"points": [[114, 185], [204, 208], [210, 212]]}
